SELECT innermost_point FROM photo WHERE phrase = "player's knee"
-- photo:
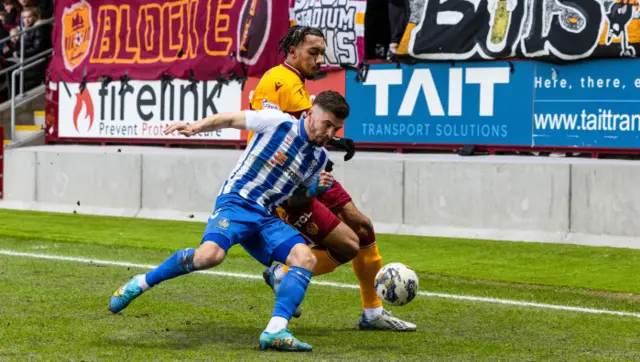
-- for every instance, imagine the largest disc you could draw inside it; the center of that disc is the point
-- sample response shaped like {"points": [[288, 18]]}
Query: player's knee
{"points": [[208, 255], [301, 256], [359, 223], [364, 227], [365, 232]]}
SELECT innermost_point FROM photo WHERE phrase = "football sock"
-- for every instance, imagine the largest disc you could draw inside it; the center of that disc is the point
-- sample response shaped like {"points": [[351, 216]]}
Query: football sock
{"points": [[371, 313], [325, 263], [291, 292], [276, 324], [366, 265], [142, 283], [178, 264]]}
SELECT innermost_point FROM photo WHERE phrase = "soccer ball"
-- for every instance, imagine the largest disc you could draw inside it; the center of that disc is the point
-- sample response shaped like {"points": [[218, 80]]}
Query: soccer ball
{"points": [[396, 284]]}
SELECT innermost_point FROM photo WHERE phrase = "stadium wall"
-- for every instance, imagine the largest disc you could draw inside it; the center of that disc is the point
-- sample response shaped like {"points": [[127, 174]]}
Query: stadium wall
{"points": [[561, 200]]}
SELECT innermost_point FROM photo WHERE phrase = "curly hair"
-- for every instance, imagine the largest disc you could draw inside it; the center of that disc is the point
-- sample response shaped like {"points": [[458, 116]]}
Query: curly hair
{"points": [[295, 36]]}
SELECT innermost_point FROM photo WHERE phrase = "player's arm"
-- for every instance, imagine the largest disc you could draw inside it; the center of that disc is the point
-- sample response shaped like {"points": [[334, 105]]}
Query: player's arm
{"points": [[212, 123], [258, 121], [303, 195], [312, 187]]}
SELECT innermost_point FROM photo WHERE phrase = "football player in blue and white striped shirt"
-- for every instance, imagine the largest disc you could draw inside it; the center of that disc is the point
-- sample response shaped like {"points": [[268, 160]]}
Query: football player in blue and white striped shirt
{"points": [[286, 158]]}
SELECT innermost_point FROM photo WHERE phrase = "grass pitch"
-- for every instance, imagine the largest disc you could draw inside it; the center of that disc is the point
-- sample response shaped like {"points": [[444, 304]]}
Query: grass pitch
{"points": [[57, 310]]}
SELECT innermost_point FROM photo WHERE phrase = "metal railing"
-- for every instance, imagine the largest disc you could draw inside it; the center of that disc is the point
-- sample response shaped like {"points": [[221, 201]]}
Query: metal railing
{"points": [[21, 35], [19, 68], [14, 105], [31, 58]]}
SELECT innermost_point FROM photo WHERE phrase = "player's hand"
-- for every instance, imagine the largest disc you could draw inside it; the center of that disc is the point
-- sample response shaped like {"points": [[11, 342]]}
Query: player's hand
{"points": [[320, 185], [182, 128], [325, 182], [345, 144]]}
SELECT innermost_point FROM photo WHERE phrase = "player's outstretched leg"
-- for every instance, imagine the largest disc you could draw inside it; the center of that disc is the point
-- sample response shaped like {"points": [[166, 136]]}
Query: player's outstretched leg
{"points": [[182, 262], [289, 295], [366, 265]]}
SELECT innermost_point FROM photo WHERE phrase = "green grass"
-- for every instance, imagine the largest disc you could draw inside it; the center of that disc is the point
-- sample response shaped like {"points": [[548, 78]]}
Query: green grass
{"points": [[57, 310]]}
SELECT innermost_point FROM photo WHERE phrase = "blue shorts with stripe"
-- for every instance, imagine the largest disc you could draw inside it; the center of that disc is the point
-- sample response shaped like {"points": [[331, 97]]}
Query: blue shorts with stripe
{"points": [[238, 221]]}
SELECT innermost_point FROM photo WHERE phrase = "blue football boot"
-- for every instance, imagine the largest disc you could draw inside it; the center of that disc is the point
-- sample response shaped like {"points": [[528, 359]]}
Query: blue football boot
{"points": [[125, 295], [283, 340]]}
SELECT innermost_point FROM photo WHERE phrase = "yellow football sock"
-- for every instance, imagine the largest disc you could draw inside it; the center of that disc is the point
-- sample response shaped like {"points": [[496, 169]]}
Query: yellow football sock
{"points": [[365, 265], [324, 265]]}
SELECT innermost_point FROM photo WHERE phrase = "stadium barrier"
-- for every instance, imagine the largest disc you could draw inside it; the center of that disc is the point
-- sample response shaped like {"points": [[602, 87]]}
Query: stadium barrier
{"points": [[562, 200], [2, 163]]}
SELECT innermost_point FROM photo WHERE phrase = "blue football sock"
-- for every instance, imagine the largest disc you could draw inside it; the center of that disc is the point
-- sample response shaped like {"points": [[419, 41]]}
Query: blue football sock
{"points": [[178, 264], [291, 292]]}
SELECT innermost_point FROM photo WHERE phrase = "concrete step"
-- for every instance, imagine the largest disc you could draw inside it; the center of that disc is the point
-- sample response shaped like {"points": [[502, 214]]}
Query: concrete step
{"points": [[25, 114], [27, 132], [23, 132]]}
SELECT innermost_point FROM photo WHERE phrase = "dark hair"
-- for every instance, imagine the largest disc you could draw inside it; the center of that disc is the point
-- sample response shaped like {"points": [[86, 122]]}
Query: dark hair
{"points": [[333, 102], [295, 36]]}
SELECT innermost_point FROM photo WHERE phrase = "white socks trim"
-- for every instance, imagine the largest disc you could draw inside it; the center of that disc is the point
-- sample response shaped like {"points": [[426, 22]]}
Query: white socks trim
{"points": [[276, 324], [371, 313], [279, 273], [142, 282]]}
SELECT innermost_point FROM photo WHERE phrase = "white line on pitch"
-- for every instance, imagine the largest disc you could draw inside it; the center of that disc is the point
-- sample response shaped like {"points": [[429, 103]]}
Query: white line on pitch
{"points": [[329, 284]]}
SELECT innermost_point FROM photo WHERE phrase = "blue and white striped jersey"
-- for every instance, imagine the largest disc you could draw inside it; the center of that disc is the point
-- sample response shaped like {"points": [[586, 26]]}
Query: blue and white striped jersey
{"points": [[277, 161]]}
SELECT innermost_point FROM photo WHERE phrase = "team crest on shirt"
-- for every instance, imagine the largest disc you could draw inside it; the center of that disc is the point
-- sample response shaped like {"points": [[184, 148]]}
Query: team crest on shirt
{"points": [[223, 223], [312, 228], [268, 105]]}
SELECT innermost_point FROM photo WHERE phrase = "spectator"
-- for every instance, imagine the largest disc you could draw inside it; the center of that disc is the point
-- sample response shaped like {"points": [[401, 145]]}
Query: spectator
{"points": [[11, 46], [45, 6], [399, 12], [13, 9], [3, 32], [35, 41]]}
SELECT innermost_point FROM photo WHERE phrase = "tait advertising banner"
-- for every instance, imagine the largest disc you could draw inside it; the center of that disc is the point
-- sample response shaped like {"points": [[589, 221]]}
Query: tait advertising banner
{"points": [[555, 30], [588, 104], [591, 104], [341, 21], [148, 38], [438, 103], [143, 109]]}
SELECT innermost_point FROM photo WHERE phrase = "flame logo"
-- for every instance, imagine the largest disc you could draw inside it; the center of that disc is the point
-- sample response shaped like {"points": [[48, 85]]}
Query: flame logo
{"points": [[83, 101]]}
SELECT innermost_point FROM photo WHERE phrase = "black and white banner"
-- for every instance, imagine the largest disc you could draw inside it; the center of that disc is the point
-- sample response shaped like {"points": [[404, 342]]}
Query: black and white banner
{"points": [[555, 30]]}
